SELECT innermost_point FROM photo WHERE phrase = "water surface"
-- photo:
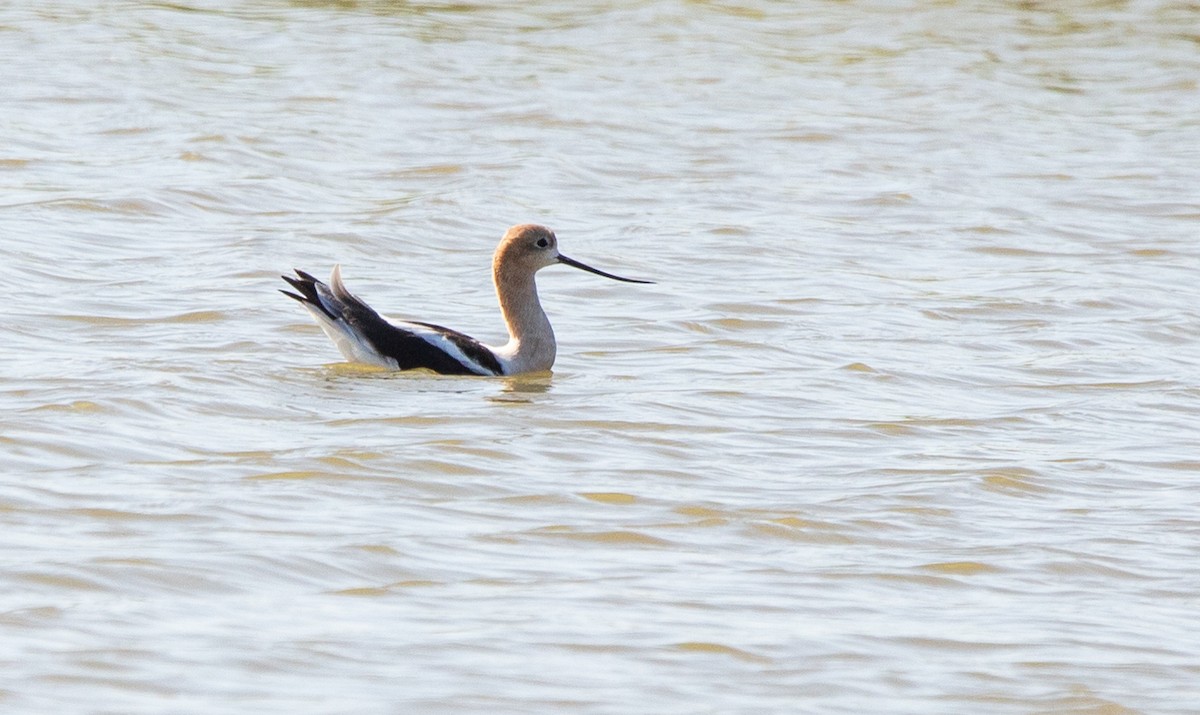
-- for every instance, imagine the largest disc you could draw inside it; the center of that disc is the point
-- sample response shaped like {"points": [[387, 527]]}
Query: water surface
{"points": [[907, 423]]}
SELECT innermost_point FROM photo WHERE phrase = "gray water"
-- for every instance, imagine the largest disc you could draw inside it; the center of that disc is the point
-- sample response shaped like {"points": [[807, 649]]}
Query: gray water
{"points": [[907, 424]]}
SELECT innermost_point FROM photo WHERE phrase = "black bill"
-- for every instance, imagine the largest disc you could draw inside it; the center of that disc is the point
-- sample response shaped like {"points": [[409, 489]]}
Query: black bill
{"points": [[584, 267]]}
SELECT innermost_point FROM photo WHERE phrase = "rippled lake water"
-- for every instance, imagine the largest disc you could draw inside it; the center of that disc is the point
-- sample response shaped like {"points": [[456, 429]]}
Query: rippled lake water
{"points": [[907, 424]]}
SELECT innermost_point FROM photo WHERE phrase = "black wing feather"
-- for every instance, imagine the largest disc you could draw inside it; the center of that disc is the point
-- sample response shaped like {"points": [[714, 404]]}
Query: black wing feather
{"points": [[408, 350], [471, 347]]}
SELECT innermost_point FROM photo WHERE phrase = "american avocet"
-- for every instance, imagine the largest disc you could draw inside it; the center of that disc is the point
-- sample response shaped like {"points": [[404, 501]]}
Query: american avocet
{"points": [[363, 336]]}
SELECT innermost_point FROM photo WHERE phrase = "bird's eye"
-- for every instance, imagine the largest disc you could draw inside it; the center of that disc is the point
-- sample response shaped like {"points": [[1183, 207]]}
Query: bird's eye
{"points": [[542, 243]]}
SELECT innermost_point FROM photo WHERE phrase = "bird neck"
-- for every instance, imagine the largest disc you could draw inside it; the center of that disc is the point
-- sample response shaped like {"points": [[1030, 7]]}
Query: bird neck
{"points": [[531, 339]]}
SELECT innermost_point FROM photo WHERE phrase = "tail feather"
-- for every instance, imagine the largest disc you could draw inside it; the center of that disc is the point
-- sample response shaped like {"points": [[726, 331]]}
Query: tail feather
{"points": [[339, 288], [309, 293], [352, 325]]}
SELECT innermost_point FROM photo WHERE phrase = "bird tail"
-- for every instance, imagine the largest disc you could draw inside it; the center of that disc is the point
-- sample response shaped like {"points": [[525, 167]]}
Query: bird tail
{"points": [[312, 294]]}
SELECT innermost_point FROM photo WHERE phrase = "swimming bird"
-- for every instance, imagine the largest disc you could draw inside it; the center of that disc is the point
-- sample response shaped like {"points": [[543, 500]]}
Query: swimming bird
{"points": [[364, 336]]}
